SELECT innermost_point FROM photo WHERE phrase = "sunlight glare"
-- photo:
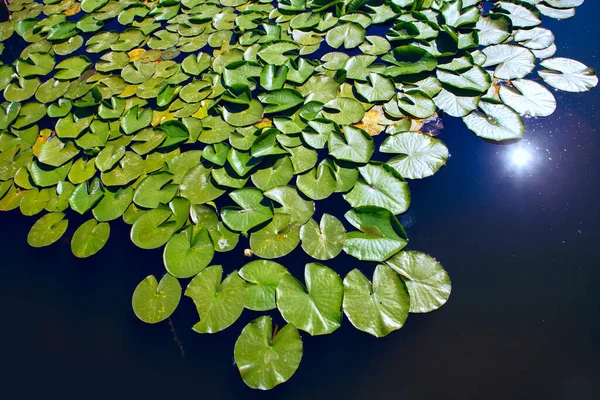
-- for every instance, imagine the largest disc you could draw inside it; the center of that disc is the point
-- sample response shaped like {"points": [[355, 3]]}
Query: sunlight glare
{"points": [[520, 157]]}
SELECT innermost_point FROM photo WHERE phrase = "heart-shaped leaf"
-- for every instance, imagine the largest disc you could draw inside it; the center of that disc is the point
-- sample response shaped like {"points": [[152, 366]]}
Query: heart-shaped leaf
{"points": [[47, 230], [154, 302], [316, 308], [325, 240], [278, 238], [90, 238], [377, 308], [187, 253], [427, 282], [266, 359], [262, 277], [219, 303], [380, 236]]}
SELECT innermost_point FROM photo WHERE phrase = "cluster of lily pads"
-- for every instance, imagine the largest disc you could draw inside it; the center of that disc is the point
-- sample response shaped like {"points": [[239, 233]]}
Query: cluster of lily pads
{"points": [[156, 111]]}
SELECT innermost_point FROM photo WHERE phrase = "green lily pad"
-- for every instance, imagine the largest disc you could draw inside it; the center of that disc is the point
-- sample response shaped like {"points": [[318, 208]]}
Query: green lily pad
{"points": [[153, 229], [277, 52], [380, 237], [22, 89], [278, 173], [250, 213], [219, 303], [113, 203], [420, 154], [318, 183], [154, 302], [316, 308], [69, 46], [38, 64], [495, 122], [71, 68], [343, 111], [266, 359], [197, 186], [187, 253], [280, 100], [262, 277], [353, 145], [34, 201], [349, 34], [377, 308], [378, 89], [55, 152], [279, 238], [408, 60], [323, 241], [129, 168], [238, 115], [154, 190], [51, 90], [299, 209], [85, 196], [380, 186], [427, 282], [47, 230], [90, 238]]}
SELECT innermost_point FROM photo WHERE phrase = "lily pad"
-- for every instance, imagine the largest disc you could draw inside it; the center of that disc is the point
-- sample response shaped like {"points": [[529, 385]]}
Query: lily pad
{"points": [[299, 209], [380, 237], [377, 308], [266, 359], [568, 75], [316, 308], [187, 253], [427, 282], [219, 303], [495, 122], [380, 186], [90, 238], [420, 155], [262, 277], [47, 230], [354, 145], [279, 238], [154, 302], [250, 213], [323, 241]]}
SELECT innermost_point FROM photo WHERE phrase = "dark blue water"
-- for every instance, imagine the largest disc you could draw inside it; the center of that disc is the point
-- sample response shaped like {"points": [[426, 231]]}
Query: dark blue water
{"points": [[520, 244]]}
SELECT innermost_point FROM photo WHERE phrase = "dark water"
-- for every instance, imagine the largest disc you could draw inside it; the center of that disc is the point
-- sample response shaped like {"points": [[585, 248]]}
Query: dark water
{"points": [[520, 244]]}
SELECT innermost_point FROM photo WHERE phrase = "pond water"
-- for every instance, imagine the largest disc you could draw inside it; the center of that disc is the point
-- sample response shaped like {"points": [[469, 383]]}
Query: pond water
{"points": [[516, 226]]}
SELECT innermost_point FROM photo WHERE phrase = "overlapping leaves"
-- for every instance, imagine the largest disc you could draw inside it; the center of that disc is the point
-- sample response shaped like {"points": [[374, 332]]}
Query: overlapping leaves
{"points": [[202, 151]]}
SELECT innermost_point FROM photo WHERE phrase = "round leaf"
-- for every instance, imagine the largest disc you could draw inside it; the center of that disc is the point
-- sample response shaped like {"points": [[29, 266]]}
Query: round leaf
{"points": [[219, 304], [154, 302], [262, 277], [266, 359], [47, 230], [325, 240], [427, 282], [316, 308], [377, 308], [90, 238]]}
